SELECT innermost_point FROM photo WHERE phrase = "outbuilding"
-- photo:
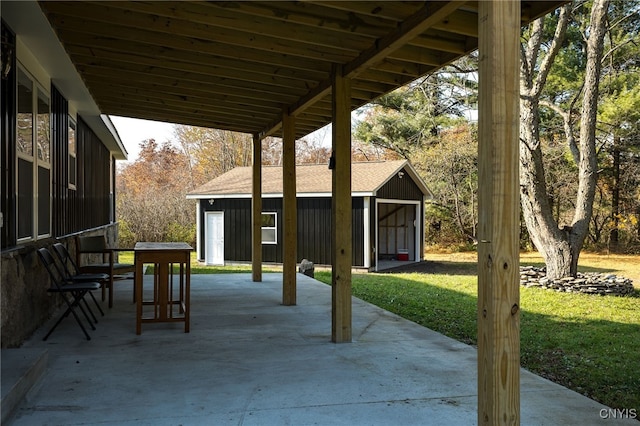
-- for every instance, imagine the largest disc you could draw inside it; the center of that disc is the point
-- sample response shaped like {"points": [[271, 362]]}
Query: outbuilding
{"points": [[387, 214]]}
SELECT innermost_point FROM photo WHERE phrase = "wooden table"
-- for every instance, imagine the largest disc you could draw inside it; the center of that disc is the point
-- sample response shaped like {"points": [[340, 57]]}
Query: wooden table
{"points": [[165, 300]]}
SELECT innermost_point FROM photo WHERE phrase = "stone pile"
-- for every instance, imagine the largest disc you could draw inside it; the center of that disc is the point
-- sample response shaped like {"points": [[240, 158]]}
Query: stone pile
{"points": [[588, 282]]}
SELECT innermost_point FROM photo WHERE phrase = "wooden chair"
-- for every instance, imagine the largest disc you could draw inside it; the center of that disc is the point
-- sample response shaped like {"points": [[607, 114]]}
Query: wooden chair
{"points": [[106, 261], [76, 291]]}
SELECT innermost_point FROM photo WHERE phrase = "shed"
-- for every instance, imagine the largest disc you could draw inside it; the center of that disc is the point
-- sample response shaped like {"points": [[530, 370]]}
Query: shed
{"points": [[387, 214]]}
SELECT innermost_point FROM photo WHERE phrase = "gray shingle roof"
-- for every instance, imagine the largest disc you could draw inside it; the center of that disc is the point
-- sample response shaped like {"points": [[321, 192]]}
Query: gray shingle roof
{"points": [[367, 178]]}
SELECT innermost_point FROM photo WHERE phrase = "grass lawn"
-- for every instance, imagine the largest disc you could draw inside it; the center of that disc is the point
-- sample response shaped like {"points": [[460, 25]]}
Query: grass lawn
{"points": [[590, 344], [199, 268]]}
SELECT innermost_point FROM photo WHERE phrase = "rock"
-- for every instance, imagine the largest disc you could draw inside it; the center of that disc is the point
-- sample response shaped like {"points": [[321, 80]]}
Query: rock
{"points": [[589, 282], [307, 268]]}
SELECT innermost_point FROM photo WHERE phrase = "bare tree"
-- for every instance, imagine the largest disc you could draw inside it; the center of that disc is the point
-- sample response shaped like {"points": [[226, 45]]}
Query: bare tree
{"points": [[559, 245]]}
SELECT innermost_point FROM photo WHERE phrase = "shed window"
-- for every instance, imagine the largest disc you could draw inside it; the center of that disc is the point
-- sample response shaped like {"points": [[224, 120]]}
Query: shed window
{"points": [[269, 228]]}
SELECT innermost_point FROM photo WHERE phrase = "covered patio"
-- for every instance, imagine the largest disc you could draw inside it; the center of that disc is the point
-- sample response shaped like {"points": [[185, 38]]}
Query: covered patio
{"points": [[249, 360], [286, 69]]}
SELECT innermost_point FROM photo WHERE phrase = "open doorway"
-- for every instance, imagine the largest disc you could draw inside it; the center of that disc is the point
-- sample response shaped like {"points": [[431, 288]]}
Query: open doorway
{"points": [[397, 233]]}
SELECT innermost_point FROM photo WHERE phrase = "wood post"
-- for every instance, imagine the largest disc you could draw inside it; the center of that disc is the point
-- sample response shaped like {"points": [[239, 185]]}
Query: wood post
{"points": [[341, 246], [498, 205], [256, 211], [290, 210]]}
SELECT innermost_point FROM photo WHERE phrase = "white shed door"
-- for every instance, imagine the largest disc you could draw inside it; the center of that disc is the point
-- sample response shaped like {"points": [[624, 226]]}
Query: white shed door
{"points": [[215, 238]]}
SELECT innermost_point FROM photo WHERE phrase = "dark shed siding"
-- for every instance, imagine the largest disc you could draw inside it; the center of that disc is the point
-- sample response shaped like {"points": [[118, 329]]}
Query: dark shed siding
{"points": [[400, 189], [237, 227], [314, 229], [237, 230]]}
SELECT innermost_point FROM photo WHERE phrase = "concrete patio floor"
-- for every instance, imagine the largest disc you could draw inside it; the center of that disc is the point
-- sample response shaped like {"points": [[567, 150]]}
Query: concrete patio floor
{"points": [[249, 360]]}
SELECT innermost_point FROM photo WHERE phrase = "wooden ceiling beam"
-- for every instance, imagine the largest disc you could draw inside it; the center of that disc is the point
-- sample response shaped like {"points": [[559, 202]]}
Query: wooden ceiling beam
{"points": [[169, 111], [425, 18], [254, 91], [173, 103], [187, 120], [217, 93], [145, 27], [225, 15], [212, 66], [460, 22], [204, 73], [534, 9], [396, 66], [238, 119], [419, 55], [111, 48], [379, 81], [316, 15], [417, 23], [246, 62], [381, 9], [433, 40], [88, 36]]}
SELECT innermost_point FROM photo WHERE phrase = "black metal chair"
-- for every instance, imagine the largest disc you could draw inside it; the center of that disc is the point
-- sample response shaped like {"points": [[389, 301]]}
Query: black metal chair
{"points": [[97, 245], [73, 274], [72, 293]]}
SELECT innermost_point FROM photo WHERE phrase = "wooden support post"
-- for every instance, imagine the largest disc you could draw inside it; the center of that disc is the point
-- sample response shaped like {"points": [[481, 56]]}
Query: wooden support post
{"points": [[256, 211], [341, 246], [498, 205], [290, 211]]}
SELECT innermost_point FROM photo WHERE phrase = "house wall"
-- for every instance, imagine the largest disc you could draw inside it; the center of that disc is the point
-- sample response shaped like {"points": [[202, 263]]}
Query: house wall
{"points": [[7, 134], [63, 210], [25, 303], [314, 229]]}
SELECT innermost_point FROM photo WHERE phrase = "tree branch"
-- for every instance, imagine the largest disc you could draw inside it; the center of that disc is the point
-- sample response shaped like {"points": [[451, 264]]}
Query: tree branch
{"points": [[568, 129], [556, 43]]}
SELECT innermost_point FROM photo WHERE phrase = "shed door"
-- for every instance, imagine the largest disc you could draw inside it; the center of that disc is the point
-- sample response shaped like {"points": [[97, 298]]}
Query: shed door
{"points": [[214, 248]]}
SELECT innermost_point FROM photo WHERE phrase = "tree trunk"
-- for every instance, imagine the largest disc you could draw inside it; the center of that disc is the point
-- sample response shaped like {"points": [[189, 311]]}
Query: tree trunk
{"points": [[588, 166], [560, 247], [549, 240], [615, 197]]}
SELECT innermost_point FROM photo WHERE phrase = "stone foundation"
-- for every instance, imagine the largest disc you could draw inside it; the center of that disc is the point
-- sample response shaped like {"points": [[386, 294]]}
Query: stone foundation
{"points": [[588, 282], [25, 302]]}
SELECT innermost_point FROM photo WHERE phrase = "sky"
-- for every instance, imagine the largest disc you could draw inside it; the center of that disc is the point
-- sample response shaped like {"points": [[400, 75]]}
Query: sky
{"points": [[132, 131]]}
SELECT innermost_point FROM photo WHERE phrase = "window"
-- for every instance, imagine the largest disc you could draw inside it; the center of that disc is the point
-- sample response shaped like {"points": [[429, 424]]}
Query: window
{"points": [[72, 153], [34, 159], [269, 228], [25, 114], [43, 140]]}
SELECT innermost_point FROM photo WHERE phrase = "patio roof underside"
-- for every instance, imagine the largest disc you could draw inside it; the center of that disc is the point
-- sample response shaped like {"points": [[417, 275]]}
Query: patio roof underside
{"points": [[239, 65]]}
